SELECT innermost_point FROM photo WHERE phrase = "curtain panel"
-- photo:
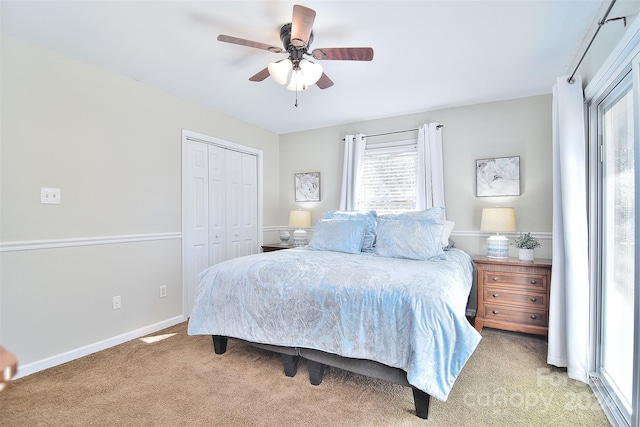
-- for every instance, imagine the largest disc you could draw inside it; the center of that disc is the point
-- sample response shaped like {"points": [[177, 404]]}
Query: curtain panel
{"points": [[354, 148], [430, 179], [569, 301]]}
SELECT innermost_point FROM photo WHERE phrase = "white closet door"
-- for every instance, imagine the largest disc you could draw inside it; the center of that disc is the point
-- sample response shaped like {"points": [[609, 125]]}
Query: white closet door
{"points": [[249, 224], [217, 204], [196, 217], [221, 208]]}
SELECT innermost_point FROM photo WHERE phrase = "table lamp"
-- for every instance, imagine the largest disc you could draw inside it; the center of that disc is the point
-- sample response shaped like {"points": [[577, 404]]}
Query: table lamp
{"points": [[299, 220], [498, 220]]}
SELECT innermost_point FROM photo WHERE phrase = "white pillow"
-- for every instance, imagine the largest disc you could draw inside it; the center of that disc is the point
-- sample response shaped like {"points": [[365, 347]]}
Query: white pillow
{"points": [[340, 235]]}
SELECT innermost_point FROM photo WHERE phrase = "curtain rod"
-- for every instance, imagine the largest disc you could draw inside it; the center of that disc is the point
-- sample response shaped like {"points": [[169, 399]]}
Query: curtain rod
{"points": [[397, 131], [603, 21]]}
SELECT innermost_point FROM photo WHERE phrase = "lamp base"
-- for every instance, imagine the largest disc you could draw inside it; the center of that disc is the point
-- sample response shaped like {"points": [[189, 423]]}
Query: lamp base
{"points": [[498, 247], [299, 237]]}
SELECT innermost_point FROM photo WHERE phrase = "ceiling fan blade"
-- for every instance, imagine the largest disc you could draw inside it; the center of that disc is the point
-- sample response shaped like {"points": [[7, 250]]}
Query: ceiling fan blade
{"points": [[249, 43], [344, 53], [324, 82], [260, 75], [301, 25]]}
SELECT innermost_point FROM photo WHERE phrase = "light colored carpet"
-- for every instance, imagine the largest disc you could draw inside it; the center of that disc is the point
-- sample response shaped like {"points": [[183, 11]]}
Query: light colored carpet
{"points": [[177, 380]]}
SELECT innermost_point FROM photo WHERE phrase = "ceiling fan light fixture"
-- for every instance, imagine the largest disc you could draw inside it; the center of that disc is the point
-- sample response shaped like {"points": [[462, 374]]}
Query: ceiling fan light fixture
{"points": [[279, 70], [297, 81], [311, 72]]}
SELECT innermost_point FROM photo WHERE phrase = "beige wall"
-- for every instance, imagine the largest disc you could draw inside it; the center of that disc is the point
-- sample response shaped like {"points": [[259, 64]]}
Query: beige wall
{"points": [[113, 147], [520, 127]]}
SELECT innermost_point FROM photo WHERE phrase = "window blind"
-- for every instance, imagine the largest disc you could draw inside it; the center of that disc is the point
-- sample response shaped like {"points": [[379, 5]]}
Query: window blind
{"points": [[389, 178]]}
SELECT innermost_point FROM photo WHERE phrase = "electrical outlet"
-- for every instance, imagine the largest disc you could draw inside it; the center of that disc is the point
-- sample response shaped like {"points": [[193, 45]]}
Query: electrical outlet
{"points": [[163, 291], [49, 196], [117, 302]]}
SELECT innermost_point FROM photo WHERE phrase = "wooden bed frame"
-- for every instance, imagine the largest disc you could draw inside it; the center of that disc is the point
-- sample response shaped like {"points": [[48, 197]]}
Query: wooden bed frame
{"points": [[318, 360]]}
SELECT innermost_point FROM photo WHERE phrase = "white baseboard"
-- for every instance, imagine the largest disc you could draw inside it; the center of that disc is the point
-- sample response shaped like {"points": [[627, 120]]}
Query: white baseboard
{"points": [[41, 365]]}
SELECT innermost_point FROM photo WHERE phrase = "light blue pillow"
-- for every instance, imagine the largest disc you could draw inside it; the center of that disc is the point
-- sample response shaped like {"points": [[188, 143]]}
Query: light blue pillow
{"points": [[431, 214], [340, 235], [370, 219], [410, 239]]}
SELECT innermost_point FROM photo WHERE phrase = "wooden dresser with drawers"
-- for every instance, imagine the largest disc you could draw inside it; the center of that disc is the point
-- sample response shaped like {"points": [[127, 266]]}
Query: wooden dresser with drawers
{"points": [[513, 294]]}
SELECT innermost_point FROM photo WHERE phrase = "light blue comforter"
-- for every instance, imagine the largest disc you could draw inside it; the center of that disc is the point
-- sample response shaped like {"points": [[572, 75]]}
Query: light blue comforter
{"points": [[402, 313]]}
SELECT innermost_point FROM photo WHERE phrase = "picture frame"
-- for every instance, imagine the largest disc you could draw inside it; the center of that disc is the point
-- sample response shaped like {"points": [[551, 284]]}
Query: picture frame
{"points": [[307, 187], [498, 176]]}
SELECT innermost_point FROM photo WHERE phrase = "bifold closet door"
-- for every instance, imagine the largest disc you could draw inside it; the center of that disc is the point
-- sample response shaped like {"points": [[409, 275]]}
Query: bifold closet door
{"points": [[242, 204], [196, 237]]}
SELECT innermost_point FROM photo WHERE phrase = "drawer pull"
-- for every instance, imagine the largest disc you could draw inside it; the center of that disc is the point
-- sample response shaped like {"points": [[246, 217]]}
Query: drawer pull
{"points": [[495, 312], [494, 278], [534, 299], [533, 317], [495, 295], [533, 281]]}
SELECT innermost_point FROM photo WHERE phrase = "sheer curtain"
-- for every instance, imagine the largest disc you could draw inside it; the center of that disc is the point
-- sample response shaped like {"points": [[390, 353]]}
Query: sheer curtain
{"points": [[354, 147], [430, 179], [569, 301]]}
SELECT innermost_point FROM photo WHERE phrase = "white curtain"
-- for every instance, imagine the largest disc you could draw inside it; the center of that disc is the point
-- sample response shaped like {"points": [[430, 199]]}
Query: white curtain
{"points": [[430, 179], [569, 301], [354, 147]]}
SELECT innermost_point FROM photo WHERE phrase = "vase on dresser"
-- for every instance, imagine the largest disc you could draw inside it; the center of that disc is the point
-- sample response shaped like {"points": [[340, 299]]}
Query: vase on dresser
{"points": [[526, 254]]}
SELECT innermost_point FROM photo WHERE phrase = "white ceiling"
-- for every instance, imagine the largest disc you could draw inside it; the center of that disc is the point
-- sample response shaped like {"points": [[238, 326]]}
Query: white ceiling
{"points": [[428, 54]]}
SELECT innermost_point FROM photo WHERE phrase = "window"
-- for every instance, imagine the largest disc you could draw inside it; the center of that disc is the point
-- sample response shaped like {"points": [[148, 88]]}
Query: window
{"points": [[388, 182]]}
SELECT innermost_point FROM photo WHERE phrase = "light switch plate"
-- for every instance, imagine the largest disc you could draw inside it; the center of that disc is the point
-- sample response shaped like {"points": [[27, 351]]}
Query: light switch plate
{"points": [[49, 196]]}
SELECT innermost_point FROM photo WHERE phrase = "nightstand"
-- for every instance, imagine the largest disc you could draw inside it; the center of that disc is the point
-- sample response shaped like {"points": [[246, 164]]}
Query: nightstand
{"points": [[275, 247], [513, 295]]}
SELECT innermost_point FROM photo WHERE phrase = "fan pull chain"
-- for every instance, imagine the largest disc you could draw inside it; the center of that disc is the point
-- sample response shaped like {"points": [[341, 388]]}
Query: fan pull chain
{"points": [[296, 104]]}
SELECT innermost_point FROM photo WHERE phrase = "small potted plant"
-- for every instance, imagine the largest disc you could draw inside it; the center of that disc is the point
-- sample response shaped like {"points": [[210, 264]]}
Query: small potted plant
{"points": [[526, 243]]}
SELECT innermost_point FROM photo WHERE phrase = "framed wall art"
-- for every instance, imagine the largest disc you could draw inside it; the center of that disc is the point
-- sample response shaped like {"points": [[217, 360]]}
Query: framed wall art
{"points": [[307, 187], [499, 176]]}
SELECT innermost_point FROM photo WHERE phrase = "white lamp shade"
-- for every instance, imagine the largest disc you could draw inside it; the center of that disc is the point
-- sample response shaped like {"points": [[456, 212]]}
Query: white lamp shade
{"points": [[311, 72], [300, 219], [279, 70], [498, 220]]}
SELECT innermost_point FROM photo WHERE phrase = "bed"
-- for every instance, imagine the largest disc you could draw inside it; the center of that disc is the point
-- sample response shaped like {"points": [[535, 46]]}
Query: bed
{"points": [[383, 307]]}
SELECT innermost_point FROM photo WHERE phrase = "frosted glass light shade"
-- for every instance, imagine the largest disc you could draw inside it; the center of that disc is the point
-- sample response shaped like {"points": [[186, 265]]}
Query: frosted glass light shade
{"points": [[311, 72], [297, 83], [279, 70]]}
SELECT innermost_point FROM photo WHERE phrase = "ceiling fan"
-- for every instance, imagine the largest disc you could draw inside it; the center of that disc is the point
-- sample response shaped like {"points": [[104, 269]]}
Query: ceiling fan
{"points": [[296, 69]]}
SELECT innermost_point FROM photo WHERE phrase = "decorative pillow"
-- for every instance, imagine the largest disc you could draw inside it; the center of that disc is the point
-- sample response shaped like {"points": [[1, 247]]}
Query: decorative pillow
{"points": [[411, 239], [370, 219], [431, 214], [340, 235]]}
